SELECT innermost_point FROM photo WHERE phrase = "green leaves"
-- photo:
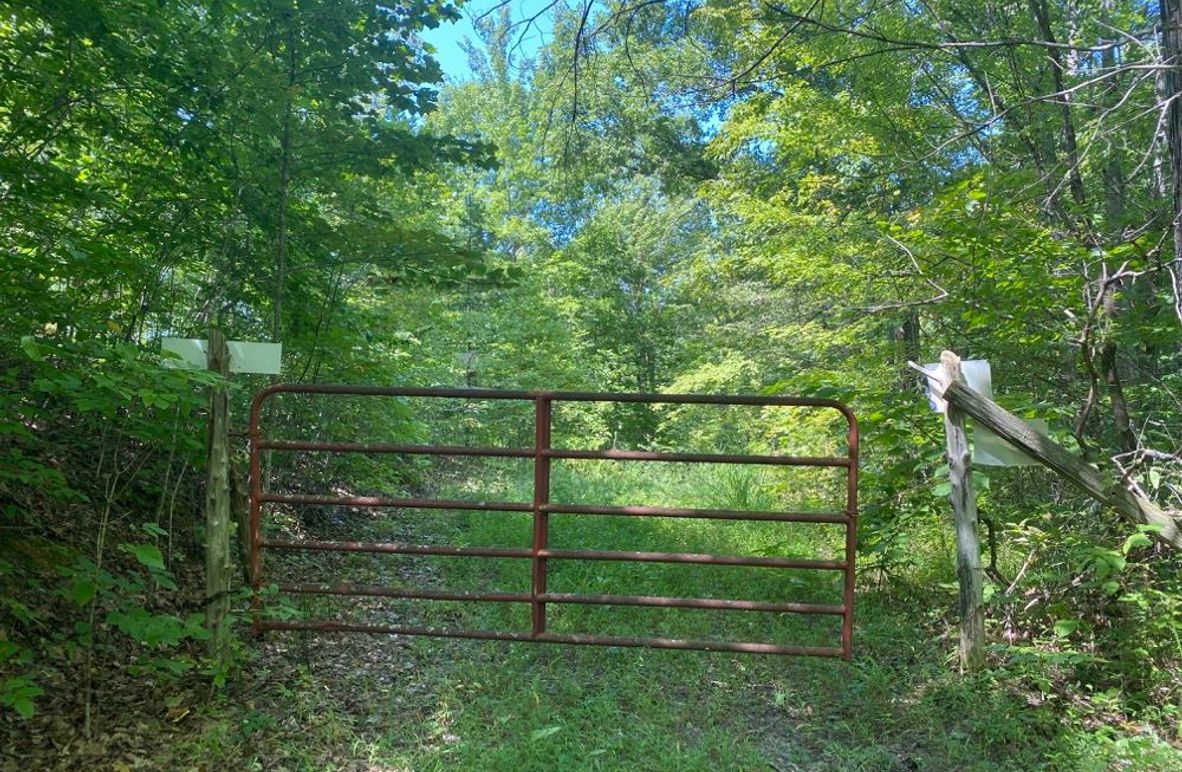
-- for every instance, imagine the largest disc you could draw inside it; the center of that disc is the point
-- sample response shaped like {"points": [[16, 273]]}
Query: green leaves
{"points": [[83, 589], [18, 694], [32, 349], [151, 398], [150, 557], [1103, 563], [147, 554], [1135, 541], [155, 630]]}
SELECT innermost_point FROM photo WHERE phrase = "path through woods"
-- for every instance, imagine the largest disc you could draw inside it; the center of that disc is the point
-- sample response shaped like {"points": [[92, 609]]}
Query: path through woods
{"points": [[362, 702]]}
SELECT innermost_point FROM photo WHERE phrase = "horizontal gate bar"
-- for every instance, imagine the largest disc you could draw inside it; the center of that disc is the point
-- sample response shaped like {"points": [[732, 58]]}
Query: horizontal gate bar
{"points": [[344, 588], [569, 509], [347, 589], [556, 396], [691, 644], [391, 447], [703, 458], [510, 552], [394, 549], [692, 557], [605, 455], [704, 514], [585, 640], [378, 501], [699, 603]]}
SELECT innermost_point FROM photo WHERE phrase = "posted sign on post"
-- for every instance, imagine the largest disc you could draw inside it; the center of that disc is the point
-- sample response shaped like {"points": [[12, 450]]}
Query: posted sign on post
{"points": [[245, 356], [222, 357], [988, 448]]}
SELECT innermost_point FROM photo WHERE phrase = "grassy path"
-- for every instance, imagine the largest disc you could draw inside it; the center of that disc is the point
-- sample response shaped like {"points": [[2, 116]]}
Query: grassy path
{"points": [[356, 702]]}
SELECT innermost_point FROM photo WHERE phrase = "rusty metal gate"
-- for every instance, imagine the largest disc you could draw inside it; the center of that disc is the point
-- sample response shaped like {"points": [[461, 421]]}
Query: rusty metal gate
{"points": [[539, 553]]}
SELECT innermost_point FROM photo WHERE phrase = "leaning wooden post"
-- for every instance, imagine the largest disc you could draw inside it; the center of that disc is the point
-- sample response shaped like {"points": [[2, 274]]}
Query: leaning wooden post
{"points": [[218, 564], [1126, 499], [964, 507]]}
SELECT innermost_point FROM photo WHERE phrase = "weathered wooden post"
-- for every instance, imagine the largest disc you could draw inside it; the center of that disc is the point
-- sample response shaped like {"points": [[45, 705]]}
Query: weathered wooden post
{"points": [[218, 563], [222, 357], [1129, 502], [964, 506], [953, 395]]}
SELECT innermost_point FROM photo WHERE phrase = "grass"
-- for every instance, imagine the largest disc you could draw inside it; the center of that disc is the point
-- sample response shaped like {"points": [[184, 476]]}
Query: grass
{"points": [[718, 487], [357, 702]]}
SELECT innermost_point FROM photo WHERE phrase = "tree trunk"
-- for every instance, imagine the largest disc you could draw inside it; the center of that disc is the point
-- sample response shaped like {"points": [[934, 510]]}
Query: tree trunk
{"points": [[1126, 440], [907, 335], [1042, 18], [284, 188], [281, 256], [1171, 94]]}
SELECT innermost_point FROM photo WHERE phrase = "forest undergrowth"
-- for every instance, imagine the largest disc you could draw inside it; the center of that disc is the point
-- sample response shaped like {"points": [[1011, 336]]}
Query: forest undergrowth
{"points": [[355, 701], [297, 700]]}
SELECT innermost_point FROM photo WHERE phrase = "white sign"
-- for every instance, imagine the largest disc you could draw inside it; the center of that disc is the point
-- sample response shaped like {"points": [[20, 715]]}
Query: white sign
{"points": [[245, 356], [976, 376], [988, 448], [991, 450]]}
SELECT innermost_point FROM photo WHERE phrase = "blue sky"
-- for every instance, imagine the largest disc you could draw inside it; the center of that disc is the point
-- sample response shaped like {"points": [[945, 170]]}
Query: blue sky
{"points": [[447, 37]]}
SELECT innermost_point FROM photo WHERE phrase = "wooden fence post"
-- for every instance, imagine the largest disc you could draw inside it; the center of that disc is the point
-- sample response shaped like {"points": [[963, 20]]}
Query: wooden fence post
{"points": [[964, 506], [1124, 497], [218, 562]]}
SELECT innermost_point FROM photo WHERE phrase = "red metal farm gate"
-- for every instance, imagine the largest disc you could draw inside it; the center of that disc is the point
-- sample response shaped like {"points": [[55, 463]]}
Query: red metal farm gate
{"points": [[538, 553]]}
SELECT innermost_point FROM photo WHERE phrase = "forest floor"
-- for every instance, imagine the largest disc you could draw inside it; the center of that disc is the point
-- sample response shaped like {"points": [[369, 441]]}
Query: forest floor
{"points": [[361, 702], [311, 701]]}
